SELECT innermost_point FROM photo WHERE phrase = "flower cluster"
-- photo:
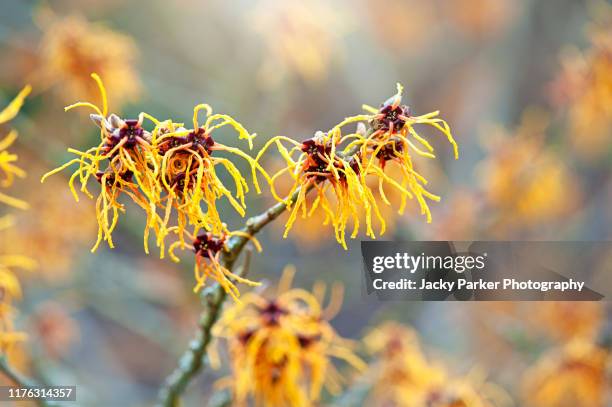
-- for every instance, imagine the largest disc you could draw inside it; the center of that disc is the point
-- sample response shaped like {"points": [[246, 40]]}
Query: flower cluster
{"points": [[281, 347], [171, 172], [338, 166], [168, 170], [10, 289], [402, 375]]}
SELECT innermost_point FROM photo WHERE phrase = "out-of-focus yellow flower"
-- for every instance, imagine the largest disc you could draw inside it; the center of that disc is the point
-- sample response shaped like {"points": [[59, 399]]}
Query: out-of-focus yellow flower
{"points": [[574, 375], [10, 289], [281, 347], [584, 88], [402, 376], [57, 242], [72, 48], [338, 166], [400, 367], [525, 183], [565, 321], [301, 39], [8, 169]]}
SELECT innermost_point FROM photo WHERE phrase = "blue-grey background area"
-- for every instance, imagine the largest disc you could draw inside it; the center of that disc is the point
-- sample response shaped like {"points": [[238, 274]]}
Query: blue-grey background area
{"points": [[538, 261]]}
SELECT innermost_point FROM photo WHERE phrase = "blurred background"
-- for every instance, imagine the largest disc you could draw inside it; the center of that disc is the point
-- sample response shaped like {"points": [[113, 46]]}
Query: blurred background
{"points": [[525, 85]]}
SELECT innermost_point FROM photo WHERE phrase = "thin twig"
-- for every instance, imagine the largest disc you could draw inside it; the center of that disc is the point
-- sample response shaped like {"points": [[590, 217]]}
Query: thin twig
{"points": [[192, 361], [20, 380]]}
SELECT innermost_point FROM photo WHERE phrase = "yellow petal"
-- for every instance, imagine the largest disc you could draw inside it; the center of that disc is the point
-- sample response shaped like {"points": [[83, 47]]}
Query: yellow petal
{"points": [[12, 109]]}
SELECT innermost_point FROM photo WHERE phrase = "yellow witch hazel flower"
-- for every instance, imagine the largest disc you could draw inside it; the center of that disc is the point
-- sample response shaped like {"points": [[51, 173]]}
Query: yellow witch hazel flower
{"points": [[280, 347], [393, 139], [394, 120], [188, 174], [123, 162], [565, 321], [341, 191], [208, 249], [339, 165], [10, 288], [402, 376], [8, 169]]}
